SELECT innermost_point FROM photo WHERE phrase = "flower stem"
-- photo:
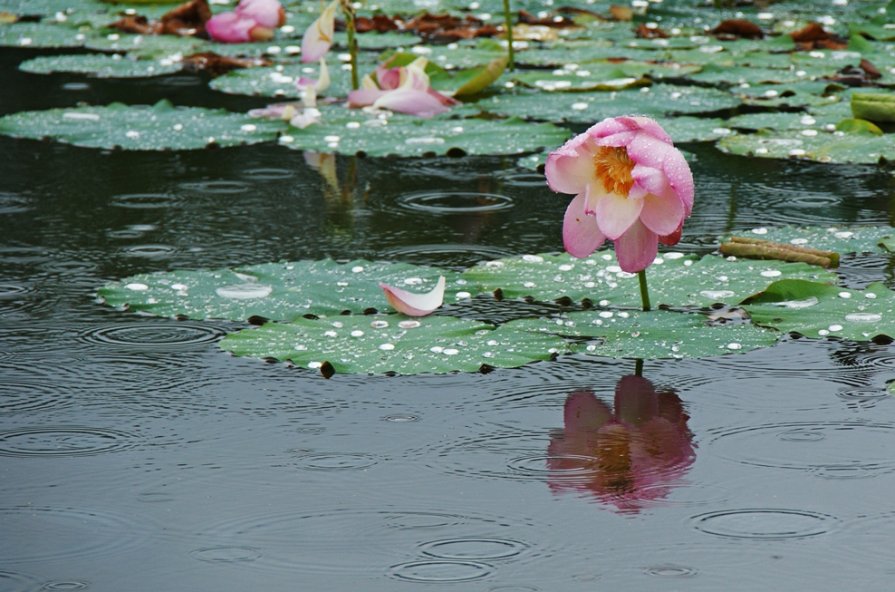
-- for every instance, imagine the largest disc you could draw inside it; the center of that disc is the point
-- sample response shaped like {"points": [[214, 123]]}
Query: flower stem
{"points": [[508, 20], [351, 29], [644, 291]]}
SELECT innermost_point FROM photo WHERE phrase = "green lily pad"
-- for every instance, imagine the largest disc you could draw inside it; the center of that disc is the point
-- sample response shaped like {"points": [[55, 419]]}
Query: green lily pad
{"points": [[798, 94], [819, 118], [100, 66], [140, 127], [354, 131], [696, 129], [280, 81], [44, 7], [457, 56], [579, 52], [821, 310], [676, 279], [394, 343], [850, 239], [837, 147], [148, 46], [732, 73], [651, 335], [278, 291], [600, 76], [589, 107], [42, 35], [875, 107]]}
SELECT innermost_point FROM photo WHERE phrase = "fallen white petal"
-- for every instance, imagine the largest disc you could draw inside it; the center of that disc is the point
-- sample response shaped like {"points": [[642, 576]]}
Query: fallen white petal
{"points": [[413, 304]]}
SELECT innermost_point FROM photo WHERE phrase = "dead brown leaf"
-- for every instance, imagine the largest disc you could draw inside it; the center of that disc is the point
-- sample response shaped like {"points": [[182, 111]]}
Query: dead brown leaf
{"points": [[731, 29], [645, 32], [814, 36], [621, 13], [216, 64]]}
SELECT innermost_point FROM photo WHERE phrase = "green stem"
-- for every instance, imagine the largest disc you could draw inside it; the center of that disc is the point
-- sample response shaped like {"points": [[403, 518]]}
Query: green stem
{"points": [[352, 40], [508, 20], [638, 367], [644, 291]]}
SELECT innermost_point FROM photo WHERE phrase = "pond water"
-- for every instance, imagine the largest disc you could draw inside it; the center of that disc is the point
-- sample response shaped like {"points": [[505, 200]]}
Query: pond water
{"points": [[135, 455]]}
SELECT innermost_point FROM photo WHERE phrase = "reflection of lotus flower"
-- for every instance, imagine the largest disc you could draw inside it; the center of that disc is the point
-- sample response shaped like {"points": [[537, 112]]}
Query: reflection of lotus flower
{"points": [[252, 20], [627, 457], [631, 186], [402, 89]]}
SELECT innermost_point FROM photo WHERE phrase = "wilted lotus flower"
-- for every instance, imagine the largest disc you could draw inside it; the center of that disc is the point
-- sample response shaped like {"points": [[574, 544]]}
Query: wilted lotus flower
{"points": [[252, 20], [318, 38], [403, 89], [631, 186], [626, 457]]}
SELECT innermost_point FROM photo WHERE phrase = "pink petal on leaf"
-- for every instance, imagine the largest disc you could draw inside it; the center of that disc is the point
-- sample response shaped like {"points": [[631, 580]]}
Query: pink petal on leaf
{"points": [[410, 101], [637, 248], [229, 27], [364, 97], [267, 13], [413, 304]]}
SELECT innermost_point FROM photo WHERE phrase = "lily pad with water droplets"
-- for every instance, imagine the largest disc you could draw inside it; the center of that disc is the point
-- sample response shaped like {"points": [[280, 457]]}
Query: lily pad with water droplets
{"points": [[651, 335], [100, 66], [278, 81], [841, 239], [675, 280], [820, 310], [656, 100], [41, 35], [599, 76], [394, 343], [826, 147], [355, 131], [277, 291], [140, 127], [149, 46]]}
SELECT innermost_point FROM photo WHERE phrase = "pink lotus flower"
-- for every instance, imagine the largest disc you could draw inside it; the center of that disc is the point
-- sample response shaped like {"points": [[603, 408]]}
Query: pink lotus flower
{"points": [[631, 186], [403, 89], [318, 38], [628, 456], [252, 20], [413, 304]]}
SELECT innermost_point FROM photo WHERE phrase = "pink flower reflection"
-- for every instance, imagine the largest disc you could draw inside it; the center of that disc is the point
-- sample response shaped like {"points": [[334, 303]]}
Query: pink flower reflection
{"points": [[626, 457]]}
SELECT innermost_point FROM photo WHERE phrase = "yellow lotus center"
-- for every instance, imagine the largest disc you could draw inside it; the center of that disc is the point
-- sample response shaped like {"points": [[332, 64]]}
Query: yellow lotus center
{"points": [[613, 168]]}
